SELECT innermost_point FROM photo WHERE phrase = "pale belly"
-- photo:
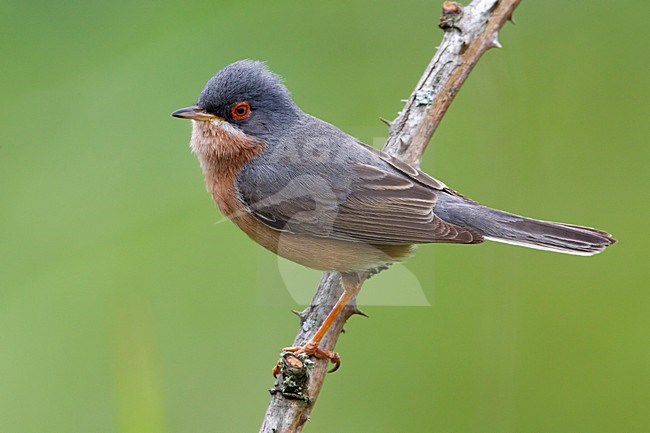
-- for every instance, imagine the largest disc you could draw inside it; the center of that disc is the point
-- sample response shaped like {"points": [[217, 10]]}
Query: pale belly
{"points": [[322, 253]]}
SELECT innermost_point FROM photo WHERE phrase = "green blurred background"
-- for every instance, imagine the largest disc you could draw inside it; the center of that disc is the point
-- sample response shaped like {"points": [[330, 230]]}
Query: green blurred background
{"points": [[125, 308]]}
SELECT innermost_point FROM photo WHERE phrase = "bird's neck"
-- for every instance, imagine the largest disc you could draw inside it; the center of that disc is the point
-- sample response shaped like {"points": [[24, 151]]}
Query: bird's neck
{"points": [[222, 151]]}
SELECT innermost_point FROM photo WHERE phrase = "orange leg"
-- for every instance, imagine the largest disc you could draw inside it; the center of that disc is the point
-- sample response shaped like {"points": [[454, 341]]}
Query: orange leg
{"points": [[351, 285]]}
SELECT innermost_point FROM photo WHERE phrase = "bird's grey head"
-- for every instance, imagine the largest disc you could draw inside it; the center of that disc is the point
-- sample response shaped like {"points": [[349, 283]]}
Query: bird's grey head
{"points": [[249, 97]]}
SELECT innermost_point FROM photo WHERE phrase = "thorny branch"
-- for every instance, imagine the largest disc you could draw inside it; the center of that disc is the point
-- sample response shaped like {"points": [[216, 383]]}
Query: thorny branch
{"points": [[469, 32]]}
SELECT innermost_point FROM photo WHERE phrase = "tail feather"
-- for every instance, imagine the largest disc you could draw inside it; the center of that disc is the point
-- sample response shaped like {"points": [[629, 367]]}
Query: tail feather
{"points": [[500, 226]]}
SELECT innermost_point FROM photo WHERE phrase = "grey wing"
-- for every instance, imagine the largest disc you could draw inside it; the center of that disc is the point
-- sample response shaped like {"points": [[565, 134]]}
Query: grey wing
{"points": [[375, 203]]}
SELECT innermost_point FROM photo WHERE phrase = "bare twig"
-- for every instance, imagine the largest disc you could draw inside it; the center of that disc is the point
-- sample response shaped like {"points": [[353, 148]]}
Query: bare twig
{"points": [[466, 39], [469, 32]]}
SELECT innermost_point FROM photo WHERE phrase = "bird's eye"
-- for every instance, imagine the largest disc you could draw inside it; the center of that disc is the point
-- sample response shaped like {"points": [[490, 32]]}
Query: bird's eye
{"points": [[241, 110]]}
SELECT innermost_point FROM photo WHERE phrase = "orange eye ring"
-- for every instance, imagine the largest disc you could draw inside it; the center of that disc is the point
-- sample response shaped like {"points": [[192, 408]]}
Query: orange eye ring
{"points": [[240, 110]]}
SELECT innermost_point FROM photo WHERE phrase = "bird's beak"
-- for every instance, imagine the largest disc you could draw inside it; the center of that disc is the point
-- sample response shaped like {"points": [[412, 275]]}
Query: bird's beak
{"points": [[195, 113]]}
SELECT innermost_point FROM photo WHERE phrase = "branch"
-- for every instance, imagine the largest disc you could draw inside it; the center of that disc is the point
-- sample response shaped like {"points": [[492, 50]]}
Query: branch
{"points": [[469, 32]]}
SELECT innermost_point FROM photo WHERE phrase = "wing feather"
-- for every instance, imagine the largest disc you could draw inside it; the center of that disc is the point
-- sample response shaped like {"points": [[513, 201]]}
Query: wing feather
{"points": [[379, 205]]}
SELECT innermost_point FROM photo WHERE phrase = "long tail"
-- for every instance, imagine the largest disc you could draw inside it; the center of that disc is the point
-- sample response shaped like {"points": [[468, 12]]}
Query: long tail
{"points": [[500, 226]]}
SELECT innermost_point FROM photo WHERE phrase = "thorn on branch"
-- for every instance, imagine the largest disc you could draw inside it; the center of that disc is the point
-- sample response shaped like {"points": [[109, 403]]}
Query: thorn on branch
{"points": [[386, 121], [451, 13], [494, 42], [356, 310], [305, 322]]}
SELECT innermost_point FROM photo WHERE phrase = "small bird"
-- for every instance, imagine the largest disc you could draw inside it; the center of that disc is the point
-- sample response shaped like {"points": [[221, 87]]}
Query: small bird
{"points": [[315, 195]]}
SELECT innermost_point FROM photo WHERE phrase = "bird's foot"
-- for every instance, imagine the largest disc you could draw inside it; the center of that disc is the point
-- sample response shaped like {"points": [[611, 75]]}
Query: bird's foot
{"points": [[311, 349]]}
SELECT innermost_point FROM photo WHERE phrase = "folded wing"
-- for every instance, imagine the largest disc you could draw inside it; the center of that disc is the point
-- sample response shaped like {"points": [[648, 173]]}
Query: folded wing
{"points": [[361, 202]]}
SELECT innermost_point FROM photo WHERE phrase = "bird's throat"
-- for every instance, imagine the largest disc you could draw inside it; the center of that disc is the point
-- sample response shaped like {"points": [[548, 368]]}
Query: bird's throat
{"points": [[219, 138]]}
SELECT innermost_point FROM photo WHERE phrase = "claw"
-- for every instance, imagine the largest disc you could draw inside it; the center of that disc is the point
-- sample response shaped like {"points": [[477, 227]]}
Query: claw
{"points": [[336, 362]]}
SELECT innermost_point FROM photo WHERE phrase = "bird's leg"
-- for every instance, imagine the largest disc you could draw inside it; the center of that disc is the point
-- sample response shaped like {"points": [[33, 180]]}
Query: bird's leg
{"points": [[351, 283]]}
